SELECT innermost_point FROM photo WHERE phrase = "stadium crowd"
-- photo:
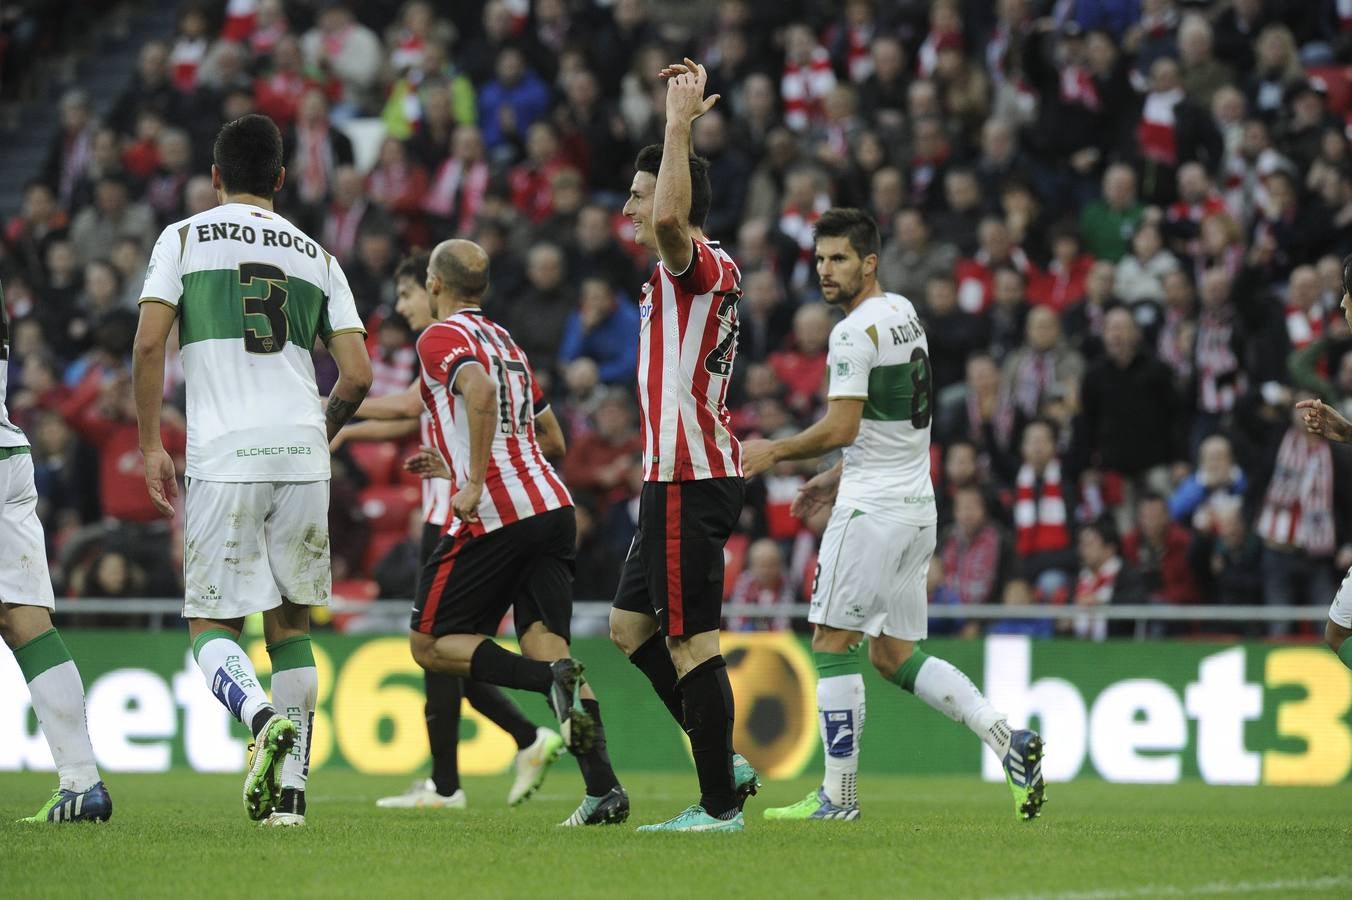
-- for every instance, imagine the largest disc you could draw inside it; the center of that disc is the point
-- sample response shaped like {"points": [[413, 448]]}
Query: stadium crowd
{"points": [[1123, 222]]}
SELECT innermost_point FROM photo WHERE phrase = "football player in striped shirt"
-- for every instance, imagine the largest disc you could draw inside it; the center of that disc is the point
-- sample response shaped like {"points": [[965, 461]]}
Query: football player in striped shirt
{"points": [[391, 418], [250, 293], [668, 607], [875, 553], [26, 604], [513, 540]]}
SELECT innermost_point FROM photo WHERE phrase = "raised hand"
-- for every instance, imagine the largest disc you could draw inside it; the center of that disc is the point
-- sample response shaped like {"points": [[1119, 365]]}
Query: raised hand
{"points": [[685, 91]]}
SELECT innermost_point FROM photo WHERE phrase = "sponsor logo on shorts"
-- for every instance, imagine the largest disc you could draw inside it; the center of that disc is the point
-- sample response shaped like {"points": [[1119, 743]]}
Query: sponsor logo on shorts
{"points": [[855, 611], [839, 732]]}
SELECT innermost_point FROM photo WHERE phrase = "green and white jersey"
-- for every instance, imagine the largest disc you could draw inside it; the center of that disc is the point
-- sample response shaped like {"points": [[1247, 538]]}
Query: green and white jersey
{"points": [[252, 293], [10, 435], [879, 354]]}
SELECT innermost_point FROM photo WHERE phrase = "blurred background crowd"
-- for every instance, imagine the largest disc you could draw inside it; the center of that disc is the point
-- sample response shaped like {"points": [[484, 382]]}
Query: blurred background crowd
{"points": [[1122, 221]]}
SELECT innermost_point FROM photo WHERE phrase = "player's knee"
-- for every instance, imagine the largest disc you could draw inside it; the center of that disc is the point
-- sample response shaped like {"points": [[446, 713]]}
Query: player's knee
{"points": [[887, 659], [1334, 635], [626, 634], [421, 647]]}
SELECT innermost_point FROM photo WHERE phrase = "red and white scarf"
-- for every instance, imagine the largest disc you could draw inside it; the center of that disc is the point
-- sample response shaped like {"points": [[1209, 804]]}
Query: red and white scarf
{"points": [[1040, 517], [1304, 326], [1034, 377], [340, 229], [1298, 508], [315, 154], [804, 88], [796, 223], [184, 61], [240, 18], [457, 193], [1078, 88], [1156, 131], [972, 564]]}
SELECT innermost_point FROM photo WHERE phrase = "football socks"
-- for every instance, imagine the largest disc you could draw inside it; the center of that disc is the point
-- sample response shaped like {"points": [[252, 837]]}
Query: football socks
{"points": [[952, 693], [707, 694], [597, 773], [502, 711], [231, 677], [442, 712], [59, 702], [840, 721], [295, 691], [498, 665], [653, 659]]}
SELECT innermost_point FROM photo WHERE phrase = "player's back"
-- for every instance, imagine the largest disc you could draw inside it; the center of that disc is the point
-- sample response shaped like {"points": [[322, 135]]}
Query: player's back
{"points": [[519, 482], [887, 468], [252, 293]]}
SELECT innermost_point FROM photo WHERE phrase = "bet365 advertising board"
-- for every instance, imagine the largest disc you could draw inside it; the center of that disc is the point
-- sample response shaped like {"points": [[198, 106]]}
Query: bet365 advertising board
{"points": [[1121, 711]]}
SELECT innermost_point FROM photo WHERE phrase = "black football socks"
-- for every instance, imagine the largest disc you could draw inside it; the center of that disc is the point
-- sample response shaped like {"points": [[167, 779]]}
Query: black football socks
{"points": [[499, 709], [653, 659], [708, 721], [443, 728], [500, 666], [597, 774]]}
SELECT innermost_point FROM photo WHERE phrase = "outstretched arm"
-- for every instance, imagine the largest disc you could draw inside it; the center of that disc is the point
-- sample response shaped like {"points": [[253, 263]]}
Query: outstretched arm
{"points": [[671, 198], [838, 428]]}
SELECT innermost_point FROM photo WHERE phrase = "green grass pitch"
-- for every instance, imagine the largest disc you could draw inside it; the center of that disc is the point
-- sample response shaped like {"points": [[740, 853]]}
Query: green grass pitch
{"points": [[186, 835]]}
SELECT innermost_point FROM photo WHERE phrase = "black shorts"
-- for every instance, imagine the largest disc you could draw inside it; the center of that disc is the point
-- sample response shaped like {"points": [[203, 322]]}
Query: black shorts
{"points": [[675, 565], [469, 582]]}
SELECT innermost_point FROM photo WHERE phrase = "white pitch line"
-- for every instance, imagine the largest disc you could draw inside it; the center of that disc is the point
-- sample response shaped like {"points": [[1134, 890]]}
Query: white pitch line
{"points": [[1209, 889]]}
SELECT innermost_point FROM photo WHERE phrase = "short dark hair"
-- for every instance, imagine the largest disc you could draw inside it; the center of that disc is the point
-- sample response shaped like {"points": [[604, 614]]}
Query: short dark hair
{"points": [[413, 266], [1347, 274], [1103, 526], [854, 224], [248, 153], [649, 160]]}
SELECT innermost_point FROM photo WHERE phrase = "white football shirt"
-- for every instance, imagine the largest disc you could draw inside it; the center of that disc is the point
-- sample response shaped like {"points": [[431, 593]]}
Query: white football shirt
{"points": [[879, 354], [252, 293]]}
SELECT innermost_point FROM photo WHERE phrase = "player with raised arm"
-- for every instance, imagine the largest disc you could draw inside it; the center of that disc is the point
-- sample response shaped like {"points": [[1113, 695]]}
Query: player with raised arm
{"points": [[668, 607], [513, 540], [26, 604], [250, 294], [391, 418], [1327, 422], [875, 553]]}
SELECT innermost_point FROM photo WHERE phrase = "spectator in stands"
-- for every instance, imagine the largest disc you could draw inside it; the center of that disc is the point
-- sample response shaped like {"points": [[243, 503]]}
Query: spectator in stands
{"points": [[1215, 485], [910, 258], [1140, 274], [1158, 550], [72, 149], [593, 251], [1172, 130], [957, 225], [537, 315], [593, 132], [1063, 283], [604, 328], [978, 558], [165, 187], [1105, 578], [393, 360], [279, 91], [314, 152], [599, 460], [198, 195], [1018, 593], [1008, 314], [1133, 422], [113, 215], [509, 104], [341, 45], [1302, 518], [345, 215], [150, 89], [398, 185], [1197, 199], [976, 275], [1045, 503], [1227, 563], [801, 367], [882, 95], [1277, 67], [953, 334], [529, 180], [1107, 224], [38, 224], [1043, 369], [729, 168], [459, 184], [807, 78], [190, 48], [764, 582], [1202, 73]]}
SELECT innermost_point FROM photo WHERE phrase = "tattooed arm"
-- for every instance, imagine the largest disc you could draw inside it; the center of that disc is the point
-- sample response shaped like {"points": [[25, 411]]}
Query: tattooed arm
{"points": [[354, 380]]}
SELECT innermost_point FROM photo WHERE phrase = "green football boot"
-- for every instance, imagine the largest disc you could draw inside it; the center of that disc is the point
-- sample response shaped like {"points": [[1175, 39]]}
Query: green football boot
{"points": [[694, 818]]}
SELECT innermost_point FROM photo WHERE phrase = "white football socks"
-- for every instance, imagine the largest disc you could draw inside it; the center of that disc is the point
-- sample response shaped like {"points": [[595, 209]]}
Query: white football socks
{"points": [[59, 701], [230, 675], [295, 691], [840, 721], [940, 684]]}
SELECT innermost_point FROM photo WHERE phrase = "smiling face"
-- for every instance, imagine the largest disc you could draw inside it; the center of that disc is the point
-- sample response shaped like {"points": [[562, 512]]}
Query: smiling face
{"points": [[639, 208], [841, 272], [412, 302]]}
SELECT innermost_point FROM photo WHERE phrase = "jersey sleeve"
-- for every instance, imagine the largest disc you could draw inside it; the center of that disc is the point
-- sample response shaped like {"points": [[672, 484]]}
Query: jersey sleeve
{"points": [[443, 349], [164, 272], [849, 357], [340, 307]]}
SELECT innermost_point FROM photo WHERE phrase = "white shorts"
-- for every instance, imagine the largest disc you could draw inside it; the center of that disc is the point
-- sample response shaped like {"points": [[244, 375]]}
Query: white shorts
{"points": [[872, 575], [1340, 613], [246, 545], [24, 578]]}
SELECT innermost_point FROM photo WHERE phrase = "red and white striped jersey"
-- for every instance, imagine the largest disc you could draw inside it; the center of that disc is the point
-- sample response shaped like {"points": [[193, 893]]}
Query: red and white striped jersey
{"points": [[520, 482], [686, 344], [436, 492]]}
